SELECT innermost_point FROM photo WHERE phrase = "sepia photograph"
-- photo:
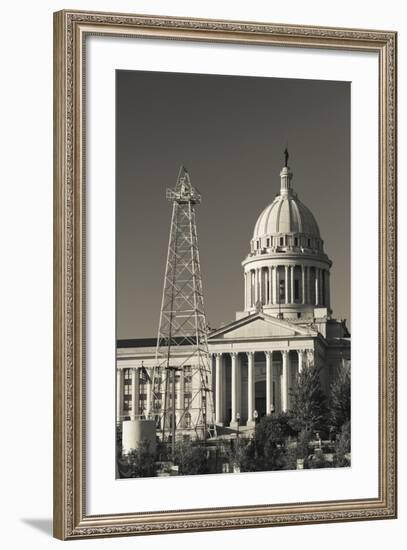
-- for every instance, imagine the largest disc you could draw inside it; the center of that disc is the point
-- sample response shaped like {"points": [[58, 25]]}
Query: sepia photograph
{"points": [[225, 237], [233, 262]]}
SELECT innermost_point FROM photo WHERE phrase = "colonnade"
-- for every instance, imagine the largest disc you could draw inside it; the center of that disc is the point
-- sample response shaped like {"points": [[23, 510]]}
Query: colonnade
{"points": [[236, 382], [287, 284], [133, 373], [274, 373]]}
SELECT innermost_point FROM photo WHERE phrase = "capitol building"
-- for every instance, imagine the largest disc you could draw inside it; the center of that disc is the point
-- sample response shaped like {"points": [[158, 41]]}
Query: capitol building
{"points": [[286, 323]]}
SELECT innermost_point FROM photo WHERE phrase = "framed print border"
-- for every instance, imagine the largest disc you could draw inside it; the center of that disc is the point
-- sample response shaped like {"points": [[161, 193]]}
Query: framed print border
{"points": [[70, 31]]}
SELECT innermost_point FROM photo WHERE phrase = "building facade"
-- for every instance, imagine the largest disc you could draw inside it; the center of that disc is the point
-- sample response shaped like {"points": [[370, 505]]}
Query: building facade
{"points": [[286, 322]]}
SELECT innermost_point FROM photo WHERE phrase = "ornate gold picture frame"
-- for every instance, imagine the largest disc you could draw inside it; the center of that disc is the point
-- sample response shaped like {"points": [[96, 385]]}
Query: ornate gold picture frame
{"points": [[71, 519]]}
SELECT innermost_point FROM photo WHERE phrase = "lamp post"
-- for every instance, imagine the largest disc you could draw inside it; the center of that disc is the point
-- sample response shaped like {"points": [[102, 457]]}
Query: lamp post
{"points": [[255, 416], [236, 466]]}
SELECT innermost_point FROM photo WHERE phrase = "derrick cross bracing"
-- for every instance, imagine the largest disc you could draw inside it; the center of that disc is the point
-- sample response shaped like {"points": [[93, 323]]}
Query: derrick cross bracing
{"points": [[182, 394]]}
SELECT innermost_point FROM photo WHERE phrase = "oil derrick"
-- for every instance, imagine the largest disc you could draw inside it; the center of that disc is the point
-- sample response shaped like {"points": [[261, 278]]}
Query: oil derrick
{"points": [[182, 396]]}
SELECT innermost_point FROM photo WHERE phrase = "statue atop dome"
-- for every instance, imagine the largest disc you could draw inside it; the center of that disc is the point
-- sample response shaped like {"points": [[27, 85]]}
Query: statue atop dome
{"points": [[286, 155]]}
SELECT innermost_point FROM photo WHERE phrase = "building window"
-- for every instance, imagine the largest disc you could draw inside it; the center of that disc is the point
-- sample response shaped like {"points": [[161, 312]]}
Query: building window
{"points": [[268, 243], [187, 400], [282, 290], [281, 241], [295, 241], [309, 243], [296, 290]]}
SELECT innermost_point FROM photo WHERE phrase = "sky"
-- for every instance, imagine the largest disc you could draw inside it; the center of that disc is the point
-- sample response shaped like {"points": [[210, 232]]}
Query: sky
{"points": [[230, 132]]}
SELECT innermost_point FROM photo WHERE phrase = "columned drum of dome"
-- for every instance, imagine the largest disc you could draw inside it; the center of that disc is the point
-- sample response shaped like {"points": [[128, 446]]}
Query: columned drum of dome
{"points": [[287, 272]]}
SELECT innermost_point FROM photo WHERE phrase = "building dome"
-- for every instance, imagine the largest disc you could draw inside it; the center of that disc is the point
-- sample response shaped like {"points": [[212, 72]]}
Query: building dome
{"points": [[286, 214], [287, 271], [286, 222]]}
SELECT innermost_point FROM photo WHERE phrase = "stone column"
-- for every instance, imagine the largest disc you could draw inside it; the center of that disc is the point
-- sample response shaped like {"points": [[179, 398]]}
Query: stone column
{"points": [[134, 393], [286, 284], [321, 287], [148, 387], [292, 269], [328, 290], [269, 382], [300, 360], [316, 286], [308, 284], [239, 384], [265, 285], [219, 390], [303, 284], [275, 284], [250, 288], [250, 387], [270, 272], [260, 272], [245, 290], [256, 286], [119, 395], [234, 389], [284, 380]]}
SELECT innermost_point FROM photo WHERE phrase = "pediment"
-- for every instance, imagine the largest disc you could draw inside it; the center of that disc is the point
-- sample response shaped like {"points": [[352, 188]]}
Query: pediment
{"points": [[260, 325]]}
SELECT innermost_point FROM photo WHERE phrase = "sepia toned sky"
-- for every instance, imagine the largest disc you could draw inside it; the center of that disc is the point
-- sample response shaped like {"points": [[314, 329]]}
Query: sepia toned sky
{"points": [[230, 132]]}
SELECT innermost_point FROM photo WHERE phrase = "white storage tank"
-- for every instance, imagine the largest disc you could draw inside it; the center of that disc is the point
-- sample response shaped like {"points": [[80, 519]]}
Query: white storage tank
{"points": [[135, 431]]}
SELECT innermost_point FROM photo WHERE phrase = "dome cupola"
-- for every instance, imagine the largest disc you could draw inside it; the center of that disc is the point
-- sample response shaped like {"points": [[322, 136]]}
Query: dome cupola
{"points": [[287, 245]]}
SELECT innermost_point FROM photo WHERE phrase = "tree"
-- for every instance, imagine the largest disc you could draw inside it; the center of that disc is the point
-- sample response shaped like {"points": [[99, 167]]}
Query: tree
{"points": [[298, 449], [339, 402], [140, 462], [267, 451], [191, 458], [343, 447], [276, 428], [308, 403]]}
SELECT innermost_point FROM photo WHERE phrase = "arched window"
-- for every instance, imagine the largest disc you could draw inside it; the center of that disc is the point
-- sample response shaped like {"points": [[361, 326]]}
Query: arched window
{"points": [[187, 418]]}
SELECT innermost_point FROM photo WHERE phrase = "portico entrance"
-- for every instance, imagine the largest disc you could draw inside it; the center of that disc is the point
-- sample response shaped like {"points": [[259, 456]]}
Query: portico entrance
{"points": [[260, 400]]}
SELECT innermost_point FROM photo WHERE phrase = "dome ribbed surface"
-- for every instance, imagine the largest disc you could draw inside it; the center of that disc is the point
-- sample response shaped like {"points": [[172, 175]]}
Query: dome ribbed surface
{"points": [[286, 214]]}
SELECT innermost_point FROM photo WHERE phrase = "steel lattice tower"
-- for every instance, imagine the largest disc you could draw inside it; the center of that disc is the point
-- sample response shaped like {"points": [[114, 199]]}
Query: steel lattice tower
{"points": [[182, 358]]}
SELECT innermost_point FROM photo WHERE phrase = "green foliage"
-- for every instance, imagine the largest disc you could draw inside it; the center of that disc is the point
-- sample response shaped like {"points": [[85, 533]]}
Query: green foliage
{"points": [[308, 403], [339, 402], [191, 458], [141, 461]]}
